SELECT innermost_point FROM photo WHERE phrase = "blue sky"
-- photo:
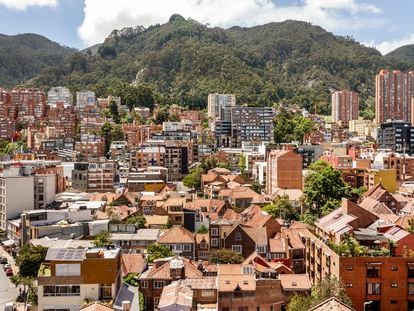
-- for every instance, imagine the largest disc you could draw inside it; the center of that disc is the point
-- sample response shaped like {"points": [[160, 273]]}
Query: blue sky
{"points": [[385, 24]]}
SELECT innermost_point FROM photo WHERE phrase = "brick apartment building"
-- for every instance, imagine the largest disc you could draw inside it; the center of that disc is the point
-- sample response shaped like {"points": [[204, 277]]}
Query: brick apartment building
{"points": [[284, 170], [393, 95], [345, 106]]}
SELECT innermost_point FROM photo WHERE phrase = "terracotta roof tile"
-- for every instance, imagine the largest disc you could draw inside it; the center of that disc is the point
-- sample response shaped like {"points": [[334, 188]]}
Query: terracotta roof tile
{"points": [[133, 263], [177, 235]]}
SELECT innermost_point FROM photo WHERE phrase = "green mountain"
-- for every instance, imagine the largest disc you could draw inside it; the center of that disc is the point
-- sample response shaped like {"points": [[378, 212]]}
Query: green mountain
{"points": [[183, 61], [24, 56], [404, 53]]}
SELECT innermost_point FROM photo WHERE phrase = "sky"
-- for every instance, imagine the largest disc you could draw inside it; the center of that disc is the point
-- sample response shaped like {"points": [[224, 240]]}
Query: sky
{"points": [[384, 24]]}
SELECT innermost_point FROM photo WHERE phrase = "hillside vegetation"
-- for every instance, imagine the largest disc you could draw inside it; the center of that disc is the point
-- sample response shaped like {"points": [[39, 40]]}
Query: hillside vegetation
{"points": [[24, 56], [183, 61]]}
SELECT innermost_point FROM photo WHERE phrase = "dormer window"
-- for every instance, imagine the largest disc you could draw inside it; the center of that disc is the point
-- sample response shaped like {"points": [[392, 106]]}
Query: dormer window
{"points": [[238, 236]]}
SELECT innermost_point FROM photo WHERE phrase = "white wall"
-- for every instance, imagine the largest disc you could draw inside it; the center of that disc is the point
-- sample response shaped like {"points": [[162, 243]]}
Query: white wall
{"points": [[19, 195]]}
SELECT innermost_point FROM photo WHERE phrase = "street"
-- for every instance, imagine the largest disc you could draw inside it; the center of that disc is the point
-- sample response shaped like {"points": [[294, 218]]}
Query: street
{"points": [[8, 291]]}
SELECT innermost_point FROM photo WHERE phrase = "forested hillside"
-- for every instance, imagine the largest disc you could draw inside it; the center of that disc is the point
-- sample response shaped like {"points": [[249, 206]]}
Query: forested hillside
{"points": [[184, 60]]}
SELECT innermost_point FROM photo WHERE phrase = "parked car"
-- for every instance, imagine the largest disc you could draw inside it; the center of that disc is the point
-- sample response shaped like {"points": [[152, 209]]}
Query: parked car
{"points": [[3, 260], [10, 306], [6, 266], [9, 272]]}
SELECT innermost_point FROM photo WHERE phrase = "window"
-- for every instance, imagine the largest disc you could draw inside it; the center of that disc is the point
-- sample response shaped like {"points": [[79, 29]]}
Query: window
{"points": [[238, 237], [214, 242], [214, 231], [203, 254], [158, 284], [186, 247], [374, 288], [349, 268], [373, 272], [261, 249], [144, 284], [105, 292], [394, 284], [61, 290], [411, 272], [156, 301], [410, 288], [236, 248], [68, 269], [207, 293], [203, 246]]}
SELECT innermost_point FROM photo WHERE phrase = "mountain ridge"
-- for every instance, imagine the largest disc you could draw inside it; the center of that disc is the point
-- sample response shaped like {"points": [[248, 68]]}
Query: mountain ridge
{"points": [[183, 61], [23, 56]]}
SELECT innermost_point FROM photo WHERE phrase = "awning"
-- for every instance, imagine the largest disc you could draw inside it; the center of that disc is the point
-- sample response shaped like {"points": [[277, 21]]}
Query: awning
{"points": [[8, 243]]}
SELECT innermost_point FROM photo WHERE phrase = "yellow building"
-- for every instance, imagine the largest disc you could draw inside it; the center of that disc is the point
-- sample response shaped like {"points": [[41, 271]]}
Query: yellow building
{"points": [[386, 177], [362, 127]]}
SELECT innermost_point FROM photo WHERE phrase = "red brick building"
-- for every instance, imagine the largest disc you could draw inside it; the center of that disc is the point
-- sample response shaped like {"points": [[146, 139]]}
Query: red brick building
{"points": [[284, 170], [345, 106]]}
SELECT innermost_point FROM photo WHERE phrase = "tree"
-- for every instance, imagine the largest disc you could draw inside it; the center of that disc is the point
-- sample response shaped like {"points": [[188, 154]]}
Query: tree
{"points": [[325, 289], [242, 165], [134, 96], [282, 208], [138, 220], [349, 246], [193, 179], [102, 239], [302, 126], [256, 187], [289, 126], [106, 134], [30, 259], [203, 229], [155, 251], [324, 187], [226, 256], [117, 133], [113, 109], [411, 224]]}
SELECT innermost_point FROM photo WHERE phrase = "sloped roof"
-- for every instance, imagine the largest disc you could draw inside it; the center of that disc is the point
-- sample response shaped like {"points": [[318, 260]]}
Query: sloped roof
{"points": [[331, 304], [295, 282], [336, 221], [177, 235], [176, 294], [163, 272], [133, 263], [96, 306]]}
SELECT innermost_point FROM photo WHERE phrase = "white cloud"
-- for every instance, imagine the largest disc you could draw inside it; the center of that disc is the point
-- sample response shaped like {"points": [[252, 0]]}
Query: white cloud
{"points": [[388, 46], [23, 4], [102, 16]]}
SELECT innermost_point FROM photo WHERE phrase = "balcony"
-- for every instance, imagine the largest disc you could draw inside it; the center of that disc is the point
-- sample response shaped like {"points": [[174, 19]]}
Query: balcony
{"points": [[44, 271]]}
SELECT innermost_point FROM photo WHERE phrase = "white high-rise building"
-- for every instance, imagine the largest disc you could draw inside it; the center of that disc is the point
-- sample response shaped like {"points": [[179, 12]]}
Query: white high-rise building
{"points": [[85, 98], [16, 195], [59, 94], [218, 106]]}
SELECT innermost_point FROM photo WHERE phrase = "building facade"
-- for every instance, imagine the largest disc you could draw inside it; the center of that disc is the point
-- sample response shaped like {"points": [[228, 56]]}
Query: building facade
{"points": [[345, 106], [393, 94]]}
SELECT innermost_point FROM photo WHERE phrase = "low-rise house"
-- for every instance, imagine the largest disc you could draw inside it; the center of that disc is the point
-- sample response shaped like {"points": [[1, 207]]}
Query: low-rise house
{"points": [[200, 211], [180, 241], [138, 241], [133, 263], [202, 246], [69, 276], [241, 197], [162, 273]]}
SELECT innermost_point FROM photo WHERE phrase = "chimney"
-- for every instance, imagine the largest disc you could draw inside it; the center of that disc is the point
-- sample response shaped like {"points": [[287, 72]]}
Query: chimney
{"points": [[126, 305]]}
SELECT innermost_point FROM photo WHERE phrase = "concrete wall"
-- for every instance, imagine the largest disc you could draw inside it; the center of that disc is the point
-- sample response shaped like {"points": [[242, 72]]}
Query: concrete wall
{"points": [[19, 196]]}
